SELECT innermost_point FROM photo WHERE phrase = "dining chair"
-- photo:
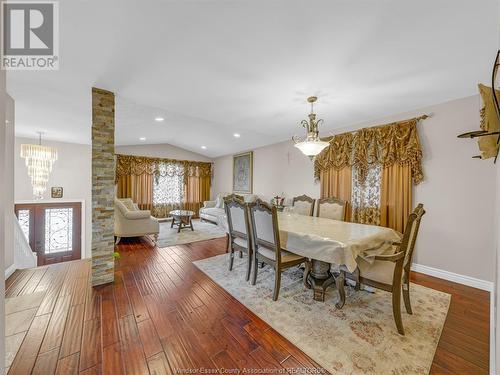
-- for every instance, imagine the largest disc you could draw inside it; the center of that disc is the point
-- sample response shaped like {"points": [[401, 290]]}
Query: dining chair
{"points": [[303, 205], [331, 208], [240, 238], [391, 272], [267, 245]]}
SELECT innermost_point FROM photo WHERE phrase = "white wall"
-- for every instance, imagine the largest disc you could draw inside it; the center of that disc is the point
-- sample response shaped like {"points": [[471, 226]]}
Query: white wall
{"points": [[161, 151], [72, 171], [279, 168], [457, 232], [9, 188]]}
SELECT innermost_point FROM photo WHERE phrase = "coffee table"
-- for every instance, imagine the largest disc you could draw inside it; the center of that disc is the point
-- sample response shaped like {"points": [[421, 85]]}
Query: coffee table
{"points": [[182, 218]]}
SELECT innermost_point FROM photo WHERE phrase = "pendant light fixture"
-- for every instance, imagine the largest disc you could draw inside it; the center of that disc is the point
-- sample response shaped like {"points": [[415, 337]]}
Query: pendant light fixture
{"points": [[312, 145], [39, 161]]}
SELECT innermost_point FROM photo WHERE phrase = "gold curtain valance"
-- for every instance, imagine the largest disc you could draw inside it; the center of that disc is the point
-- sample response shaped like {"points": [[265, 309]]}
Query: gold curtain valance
{"points": [[386, 145], [127, 165]]}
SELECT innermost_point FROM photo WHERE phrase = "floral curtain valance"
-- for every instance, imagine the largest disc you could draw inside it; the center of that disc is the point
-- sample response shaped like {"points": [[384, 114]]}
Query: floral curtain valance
{"points": [[384, 145], [138, 165]]}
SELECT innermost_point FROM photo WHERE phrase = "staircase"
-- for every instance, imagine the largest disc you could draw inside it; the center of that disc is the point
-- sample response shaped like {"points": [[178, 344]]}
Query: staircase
{"points": [[24, 257]]}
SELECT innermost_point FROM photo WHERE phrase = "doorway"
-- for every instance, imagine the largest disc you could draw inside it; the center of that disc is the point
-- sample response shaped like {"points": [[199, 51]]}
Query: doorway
{"points": [[53, 230]]}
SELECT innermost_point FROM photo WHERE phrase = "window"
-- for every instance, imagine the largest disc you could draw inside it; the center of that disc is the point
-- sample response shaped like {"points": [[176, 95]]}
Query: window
{"points": [[168, 185], [366, 196]]}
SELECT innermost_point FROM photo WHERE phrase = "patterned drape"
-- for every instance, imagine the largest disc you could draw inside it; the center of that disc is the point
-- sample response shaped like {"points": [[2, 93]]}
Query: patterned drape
{"points": [[172, 184], [196, 191], [385, 145], [374, 169], [137, 165], [366, 196]]}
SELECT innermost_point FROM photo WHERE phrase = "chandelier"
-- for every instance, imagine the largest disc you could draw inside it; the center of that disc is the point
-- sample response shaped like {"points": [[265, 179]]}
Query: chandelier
{"points": [[312, 145], [39, 161]]}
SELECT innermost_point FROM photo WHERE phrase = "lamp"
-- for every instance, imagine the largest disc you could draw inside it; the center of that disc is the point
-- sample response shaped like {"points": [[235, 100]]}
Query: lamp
{"points": [[312, 145], [39, 161]]}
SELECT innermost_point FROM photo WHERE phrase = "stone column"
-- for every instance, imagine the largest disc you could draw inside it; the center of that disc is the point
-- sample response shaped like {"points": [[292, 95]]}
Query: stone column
{"points": [[103, 186]]}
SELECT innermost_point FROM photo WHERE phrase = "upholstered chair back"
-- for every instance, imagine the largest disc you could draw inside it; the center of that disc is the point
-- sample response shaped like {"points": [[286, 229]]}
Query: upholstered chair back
{"points": [[264, 224], [237, 216], [125, 205], [332, 208], [303, 205]]}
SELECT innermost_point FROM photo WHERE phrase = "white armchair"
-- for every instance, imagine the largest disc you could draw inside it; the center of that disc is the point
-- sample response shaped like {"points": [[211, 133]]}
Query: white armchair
{"points": [[130, 221]]}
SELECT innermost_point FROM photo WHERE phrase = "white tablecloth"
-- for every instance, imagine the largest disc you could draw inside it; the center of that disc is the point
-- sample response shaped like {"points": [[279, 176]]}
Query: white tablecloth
{"points": [[332, 241]]}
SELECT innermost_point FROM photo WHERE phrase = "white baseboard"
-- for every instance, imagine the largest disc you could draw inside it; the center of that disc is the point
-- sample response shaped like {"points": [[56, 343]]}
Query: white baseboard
{"points": [[9, 271], [455, 277]]}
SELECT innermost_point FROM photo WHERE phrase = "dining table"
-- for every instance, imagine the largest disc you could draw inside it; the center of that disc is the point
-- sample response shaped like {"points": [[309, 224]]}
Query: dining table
{"points": [[328, 242]]}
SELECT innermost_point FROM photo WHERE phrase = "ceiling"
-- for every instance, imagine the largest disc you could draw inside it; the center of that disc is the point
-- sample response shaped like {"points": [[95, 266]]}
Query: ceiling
{"points": [[213, 68]]}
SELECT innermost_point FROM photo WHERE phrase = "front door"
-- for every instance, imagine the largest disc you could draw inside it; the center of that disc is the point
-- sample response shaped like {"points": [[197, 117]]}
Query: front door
{"points": [[53, 230]]}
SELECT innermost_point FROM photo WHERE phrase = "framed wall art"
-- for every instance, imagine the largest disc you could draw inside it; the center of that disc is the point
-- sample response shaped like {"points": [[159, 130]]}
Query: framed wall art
{"points": [[243, 173]]}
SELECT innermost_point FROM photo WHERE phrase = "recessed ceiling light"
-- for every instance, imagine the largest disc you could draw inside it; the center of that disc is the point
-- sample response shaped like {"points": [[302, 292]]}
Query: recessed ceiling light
{"points": [[159, 119], [204, 147], [142, 139], [236, 135]]}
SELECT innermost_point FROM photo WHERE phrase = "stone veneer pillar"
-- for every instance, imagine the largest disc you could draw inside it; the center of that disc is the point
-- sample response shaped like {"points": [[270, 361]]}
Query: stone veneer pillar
{"points": [[103, 186]]}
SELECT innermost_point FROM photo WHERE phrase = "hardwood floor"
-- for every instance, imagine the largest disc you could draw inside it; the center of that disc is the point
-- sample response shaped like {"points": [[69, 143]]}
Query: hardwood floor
{"points": [[163, 314]]}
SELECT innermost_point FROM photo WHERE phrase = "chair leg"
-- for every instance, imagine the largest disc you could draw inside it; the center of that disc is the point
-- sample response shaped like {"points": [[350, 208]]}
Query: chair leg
{"points": [[277, 283], [406, 296], [249, 266], [155, 238], [231, 259], [241, 254], [357, 287], [255, 267], [396, 298], [396, 310]]}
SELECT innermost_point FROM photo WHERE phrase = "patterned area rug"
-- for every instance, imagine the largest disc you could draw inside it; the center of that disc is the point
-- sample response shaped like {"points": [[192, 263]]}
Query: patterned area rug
{"points": [[359, 339], [202, 231]]}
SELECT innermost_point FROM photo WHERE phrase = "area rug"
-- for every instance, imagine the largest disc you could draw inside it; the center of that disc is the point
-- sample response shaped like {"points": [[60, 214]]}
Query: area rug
{"points": [[202, 231], [361, 338]]}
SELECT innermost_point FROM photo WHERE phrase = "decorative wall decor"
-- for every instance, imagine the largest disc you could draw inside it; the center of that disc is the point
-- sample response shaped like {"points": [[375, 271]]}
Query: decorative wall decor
{"points": [[488, 136], [56, 192], [243, 173]]}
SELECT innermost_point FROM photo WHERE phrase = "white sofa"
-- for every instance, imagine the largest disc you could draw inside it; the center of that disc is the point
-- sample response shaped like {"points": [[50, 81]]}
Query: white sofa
{"points": [[213, 210], [130, 221]]}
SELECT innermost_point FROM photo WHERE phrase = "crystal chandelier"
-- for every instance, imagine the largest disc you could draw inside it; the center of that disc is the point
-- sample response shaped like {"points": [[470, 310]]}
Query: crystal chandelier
{"points": [[39, 161], [312, 145]]}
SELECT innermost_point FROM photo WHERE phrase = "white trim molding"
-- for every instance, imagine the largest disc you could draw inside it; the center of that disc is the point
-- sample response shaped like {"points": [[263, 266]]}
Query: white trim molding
{"points": [[455, 277], [9, 271]]}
